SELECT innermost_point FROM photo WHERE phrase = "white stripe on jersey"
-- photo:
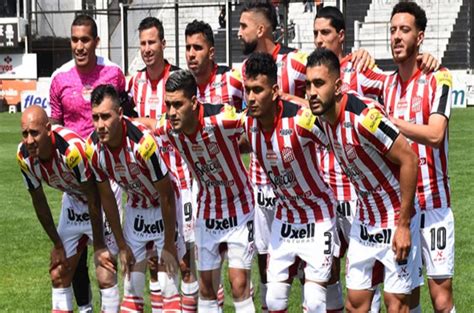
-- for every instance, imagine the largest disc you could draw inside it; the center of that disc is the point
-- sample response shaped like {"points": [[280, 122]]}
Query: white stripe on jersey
{"points": [[135, 166], [213, 156], [360, 150], [414, 102], [66, 170], [287, 156]]}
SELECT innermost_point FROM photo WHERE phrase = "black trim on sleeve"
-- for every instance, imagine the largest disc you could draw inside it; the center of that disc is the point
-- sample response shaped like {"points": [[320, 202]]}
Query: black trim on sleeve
{"points": [[354, 104], [290, 109], [222, 69], [133, 132], [212, 109], [443, 100], [387, 130]]}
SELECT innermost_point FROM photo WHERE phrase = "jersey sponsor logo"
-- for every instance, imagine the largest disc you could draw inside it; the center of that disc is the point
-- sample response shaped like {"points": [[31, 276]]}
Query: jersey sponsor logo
{"points": [[219, 183], [209, 129], [221, 224], [372, 120], [353, 172], [147, 147], [139, 226], [422, 161], [211, 167], [444, 78], [402, 104], [265, 202], [73, 158], [135, 185], [307, 119], [217, 84], [197, 149], [306, 195], [22, 163], [166, 148], [416, 102], [421, 81], [286, 132], [213, 148], [254, 129], [382, 237], [347, 125], [286, 179], [288, 231], [74, 217], [287, 155]]}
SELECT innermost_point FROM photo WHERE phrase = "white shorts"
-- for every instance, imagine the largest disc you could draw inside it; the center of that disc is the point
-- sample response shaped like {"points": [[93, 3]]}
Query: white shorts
{"points": [[345, 213], [313, 243], [264, 214], [144, 233], [75, 228], [437, 238], [370, 257], [186, 211], [234, 235]]}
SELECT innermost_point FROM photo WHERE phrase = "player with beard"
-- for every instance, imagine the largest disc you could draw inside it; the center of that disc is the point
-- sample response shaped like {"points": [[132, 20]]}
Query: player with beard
{"points": [[217, 84], [56, 156], [69, 96], [382, 168], [419, 104]]}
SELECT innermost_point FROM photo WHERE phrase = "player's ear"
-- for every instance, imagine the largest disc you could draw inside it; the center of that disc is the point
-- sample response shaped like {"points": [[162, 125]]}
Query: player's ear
{"points": [[212, 52], [120, 112], [97, 41], [194, 102], [342, 36], [338, 87], [163, 42], [420, 38], [48, 127], [275, 91]]}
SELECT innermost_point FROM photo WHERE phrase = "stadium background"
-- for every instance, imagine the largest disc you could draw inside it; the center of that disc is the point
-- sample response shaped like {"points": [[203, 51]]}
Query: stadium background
{"points": [[41, 28]]}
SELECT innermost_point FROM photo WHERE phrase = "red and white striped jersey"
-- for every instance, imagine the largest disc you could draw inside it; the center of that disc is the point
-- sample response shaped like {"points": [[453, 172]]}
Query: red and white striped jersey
{"points": [[149, 95], [291, 70], [360, 138], [212, 153], [67, 169], [286, 154], [368, 83], [415, 101], [135, 165], [224, 87]]}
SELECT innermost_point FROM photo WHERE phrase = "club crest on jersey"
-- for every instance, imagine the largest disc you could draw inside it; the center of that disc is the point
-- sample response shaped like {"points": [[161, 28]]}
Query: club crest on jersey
{"points": [[350, 152], [22, 163], [147, 147], [416, 104], [213, 148], [86, 92], [134, 169], [287, 155], [306, 119], [73, 157], [372, 120]]}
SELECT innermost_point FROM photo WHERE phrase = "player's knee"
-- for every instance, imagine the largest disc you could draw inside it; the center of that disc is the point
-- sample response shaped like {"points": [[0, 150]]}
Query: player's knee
{"points": [[135, 285], [240, 286], [58, 278], [207, 291], [105, 278], [169, 285], [314, 297], [277, 296], [442, 303]]}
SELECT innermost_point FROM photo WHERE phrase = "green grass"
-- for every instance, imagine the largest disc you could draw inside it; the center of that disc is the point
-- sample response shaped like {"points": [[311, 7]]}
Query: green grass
{"points": [[24, 256]]}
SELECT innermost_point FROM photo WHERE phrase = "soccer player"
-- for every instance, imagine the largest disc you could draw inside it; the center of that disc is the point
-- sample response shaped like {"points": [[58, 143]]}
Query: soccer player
{"points": [[382, 168], [147, 86], [217, 84], [206, 136], [127, 153], [71, 86], [56, 156], [303, 228], [419, 104]]}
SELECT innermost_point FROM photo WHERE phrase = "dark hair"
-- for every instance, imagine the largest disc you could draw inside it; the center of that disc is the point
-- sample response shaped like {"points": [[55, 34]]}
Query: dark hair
{"points": [[149, 22], [261, 63], [323, 56], [413, 9], [334, 15], [182, 80], [265, 8], [104, 91], [85, 20], [200, 27]]}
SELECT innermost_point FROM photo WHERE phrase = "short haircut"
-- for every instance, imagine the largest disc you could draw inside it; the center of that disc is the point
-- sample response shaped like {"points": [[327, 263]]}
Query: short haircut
{"points": [[105, 91], [149, 22], [334, 15], [260, 63], [200, 27], [182, 80], [323, 56], [86, 20], [413, 9], [263, 7]]}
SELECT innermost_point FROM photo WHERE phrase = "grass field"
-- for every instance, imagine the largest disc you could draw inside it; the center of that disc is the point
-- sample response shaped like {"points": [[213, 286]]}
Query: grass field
{"points": [[24, 256]]}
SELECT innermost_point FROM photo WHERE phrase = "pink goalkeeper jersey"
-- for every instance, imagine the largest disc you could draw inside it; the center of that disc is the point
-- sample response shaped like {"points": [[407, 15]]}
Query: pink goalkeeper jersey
{"points": [[70, 93], [415, 101]]}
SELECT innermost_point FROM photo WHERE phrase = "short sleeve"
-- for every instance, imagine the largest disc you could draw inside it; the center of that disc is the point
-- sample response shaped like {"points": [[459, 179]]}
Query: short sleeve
{"points": [[376, 130]]}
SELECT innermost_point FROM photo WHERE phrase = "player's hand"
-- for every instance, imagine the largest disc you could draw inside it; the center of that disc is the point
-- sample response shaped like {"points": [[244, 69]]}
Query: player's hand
{"points": [[169, 259], [104, 258], [58, 258], [401, 243], [127, 260], [427, 63], [153, 263], [362, 60]]}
